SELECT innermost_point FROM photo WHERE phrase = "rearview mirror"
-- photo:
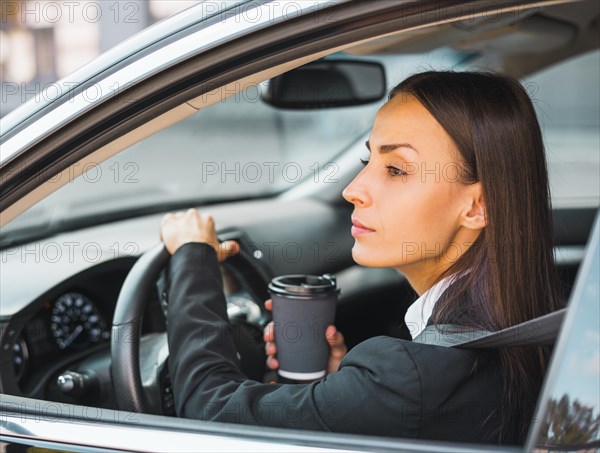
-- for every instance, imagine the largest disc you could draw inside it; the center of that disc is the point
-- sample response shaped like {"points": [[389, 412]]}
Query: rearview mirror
{"points": [[326, 84]]}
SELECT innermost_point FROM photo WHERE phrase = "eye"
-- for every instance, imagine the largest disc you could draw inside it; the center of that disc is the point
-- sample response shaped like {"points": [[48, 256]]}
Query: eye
{"points": [[364, 161], [393, 171]]}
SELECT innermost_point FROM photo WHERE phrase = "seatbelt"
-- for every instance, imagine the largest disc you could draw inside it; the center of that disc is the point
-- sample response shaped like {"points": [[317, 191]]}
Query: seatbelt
{"points": [[539, 331]]}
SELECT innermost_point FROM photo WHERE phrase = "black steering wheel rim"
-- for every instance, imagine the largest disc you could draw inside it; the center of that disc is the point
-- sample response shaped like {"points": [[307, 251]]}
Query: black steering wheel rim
{"points": [[127, 328], [137, 380]]}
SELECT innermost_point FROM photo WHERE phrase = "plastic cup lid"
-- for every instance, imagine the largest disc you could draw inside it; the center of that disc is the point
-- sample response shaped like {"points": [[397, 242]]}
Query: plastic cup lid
{"points": [[303, 284]]}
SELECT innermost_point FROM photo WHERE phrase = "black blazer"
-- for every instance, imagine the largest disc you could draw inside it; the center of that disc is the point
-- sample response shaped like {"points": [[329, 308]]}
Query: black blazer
{"points": [[385, 386]]}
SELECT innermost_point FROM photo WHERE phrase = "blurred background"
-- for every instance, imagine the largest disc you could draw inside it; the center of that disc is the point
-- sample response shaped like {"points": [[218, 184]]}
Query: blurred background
{"points": [[42, 41]]}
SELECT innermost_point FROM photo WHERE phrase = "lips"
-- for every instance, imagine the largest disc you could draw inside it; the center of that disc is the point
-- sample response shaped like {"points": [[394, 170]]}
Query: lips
{"points": [[359, 229]]}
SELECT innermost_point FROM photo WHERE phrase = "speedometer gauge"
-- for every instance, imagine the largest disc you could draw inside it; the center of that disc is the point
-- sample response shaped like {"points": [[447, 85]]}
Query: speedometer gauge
{"points": [[76, 322]]}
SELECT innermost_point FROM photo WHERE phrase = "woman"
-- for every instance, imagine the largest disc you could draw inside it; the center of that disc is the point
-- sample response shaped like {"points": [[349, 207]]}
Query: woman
{"points": [[455, 196]]}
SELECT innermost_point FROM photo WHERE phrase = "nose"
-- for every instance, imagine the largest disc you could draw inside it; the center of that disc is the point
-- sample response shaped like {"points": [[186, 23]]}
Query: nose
{"points": [[356, 192]]}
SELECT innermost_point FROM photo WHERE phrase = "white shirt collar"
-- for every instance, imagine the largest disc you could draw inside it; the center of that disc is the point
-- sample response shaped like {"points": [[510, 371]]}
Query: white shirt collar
{"points": [[419, 312]]}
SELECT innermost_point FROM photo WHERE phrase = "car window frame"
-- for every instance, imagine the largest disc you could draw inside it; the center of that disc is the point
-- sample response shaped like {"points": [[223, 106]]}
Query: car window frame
{"points": [[26, 420]]}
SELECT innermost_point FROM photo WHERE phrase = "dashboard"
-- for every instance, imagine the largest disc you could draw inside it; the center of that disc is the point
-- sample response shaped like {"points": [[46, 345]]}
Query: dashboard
{"points": [[68, 328], [66, 323]]}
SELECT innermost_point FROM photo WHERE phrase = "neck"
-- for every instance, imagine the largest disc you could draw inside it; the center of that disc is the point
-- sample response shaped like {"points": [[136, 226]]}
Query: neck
{"points": [[423, 274]]}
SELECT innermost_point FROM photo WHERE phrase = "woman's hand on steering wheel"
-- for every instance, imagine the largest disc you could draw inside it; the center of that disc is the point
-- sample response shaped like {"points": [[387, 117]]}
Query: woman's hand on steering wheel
{"points": [[179, 228], [337, 346]]}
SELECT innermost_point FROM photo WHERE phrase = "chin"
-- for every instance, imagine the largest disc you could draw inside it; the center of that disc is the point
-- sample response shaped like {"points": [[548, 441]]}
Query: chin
{"points": [[371, 258]]}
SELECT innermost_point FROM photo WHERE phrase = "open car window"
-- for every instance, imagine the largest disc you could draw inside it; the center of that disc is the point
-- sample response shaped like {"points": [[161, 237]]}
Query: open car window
{"points": [[238, 148], [243, 148]]}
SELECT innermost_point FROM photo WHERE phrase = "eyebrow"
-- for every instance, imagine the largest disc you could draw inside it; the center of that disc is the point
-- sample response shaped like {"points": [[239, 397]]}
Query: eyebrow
{"points": [[384, 149]]}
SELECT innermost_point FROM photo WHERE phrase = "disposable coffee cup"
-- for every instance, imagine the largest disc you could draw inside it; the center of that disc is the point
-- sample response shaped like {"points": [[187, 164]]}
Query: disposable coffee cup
{"points": [[303, 307]]}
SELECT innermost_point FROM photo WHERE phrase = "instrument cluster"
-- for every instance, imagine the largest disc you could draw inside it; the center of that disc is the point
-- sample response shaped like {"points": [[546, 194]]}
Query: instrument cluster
{"points": [[76, 322], [68, 323]]}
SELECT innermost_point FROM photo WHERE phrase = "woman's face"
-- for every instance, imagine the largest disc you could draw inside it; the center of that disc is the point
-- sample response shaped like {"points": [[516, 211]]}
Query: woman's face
{"points": [[408, 197]]}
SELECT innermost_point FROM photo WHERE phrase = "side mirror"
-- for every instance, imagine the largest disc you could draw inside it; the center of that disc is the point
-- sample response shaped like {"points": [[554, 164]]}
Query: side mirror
{"points": [[326, 84]]}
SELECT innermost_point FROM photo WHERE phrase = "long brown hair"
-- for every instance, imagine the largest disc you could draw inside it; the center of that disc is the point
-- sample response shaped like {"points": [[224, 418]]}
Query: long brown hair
{"points": [[508, 273]]}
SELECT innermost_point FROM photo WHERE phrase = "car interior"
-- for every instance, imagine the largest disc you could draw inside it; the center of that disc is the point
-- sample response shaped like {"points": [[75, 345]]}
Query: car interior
{"points": [[270, 167]]}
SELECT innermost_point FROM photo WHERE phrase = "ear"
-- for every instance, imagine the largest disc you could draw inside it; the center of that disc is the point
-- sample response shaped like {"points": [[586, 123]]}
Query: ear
{"points": [[474, 215]]}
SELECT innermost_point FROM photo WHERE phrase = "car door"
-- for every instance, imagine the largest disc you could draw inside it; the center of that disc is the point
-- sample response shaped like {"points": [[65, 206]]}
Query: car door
{"points": [[39, 149]]}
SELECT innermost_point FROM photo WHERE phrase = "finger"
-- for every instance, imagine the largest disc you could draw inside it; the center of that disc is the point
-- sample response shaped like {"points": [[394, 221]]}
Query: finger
{"points": [[270, 348], [269, 304], [227, 249], [338, 352], [165, 219], [207, 218], [268, 333], [337, 347], [334, 336], [230, 247], [272, 363], [330, 333]]}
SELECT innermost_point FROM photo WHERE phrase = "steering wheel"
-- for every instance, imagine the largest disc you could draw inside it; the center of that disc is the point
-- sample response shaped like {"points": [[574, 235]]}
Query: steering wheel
{"points": [[139, 364]]}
